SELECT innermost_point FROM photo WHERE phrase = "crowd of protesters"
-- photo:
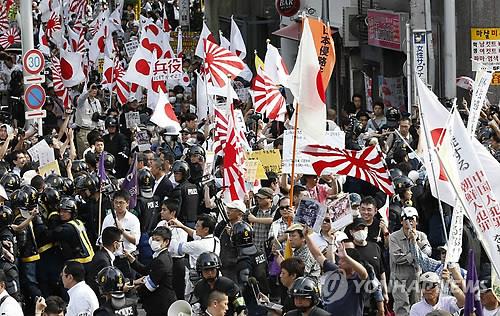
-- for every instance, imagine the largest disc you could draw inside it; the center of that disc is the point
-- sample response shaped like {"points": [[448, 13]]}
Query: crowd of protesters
{"points": [[71, 245]]}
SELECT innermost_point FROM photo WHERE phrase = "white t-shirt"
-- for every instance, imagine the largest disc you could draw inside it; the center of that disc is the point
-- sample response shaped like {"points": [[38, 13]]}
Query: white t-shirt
{"points": [[82, 300], [10, 307], [131, 225], [179, 235], [445, 303], [197, 247], [495, 312]]}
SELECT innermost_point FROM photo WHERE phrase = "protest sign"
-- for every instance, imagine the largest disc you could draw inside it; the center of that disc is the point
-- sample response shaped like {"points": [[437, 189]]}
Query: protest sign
{"points": [[311, 213], [209, 162], [142, 139], [251, 166], [51, 167], [132, 119], [340, 212], [270, 159], [42, 153], [303, 163], [131, 47], [167, 69], [456, 232]]}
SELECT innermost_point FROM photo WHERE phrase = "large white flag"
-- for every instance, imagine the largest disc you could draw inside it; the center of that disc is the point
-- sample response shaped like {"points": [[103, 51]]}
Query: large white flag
{"points": [[481, 85], [481, 202], [306, 84], [237, 44]]}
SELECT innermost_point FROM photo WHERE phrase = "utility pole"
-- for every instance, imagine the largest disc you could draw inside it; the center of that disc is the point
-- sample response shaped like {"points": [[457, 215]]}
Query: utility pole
{"points": [[450, 50]]}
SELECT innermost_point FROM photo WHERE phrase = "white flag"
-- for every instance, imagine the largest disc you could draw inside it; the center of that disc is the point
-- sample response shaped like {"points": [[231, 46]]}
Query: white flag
{"points": [[164, 115], [201, 97], [481, 85], [237, 44]]}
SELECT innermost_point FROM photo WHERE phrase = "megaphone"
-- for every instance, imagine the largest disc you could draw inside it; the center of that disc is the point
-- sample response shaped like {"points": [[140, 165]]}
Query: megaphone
{"points": [[180, 308]]}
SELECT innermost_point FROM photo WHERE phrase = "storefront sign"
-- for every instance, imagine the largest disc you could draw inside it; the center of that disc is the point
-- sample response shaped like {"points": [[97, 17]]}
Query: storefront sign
{"points": [[287, 7], [485, 45], [386, 29], [420, 54]]}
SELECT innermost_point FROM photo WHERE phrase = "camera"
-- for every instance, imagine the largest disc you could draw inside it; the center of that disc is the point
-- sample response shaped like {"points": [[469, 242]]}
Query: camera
{"points": [[97, 116], [256, 116]]}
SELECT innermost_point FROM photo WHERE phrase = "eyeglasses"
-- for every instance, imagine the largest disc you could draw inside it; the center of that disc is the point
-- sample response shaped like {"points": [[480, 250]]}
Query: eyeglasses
{"points": [[119, 202], [285, 207], [428, 285]]}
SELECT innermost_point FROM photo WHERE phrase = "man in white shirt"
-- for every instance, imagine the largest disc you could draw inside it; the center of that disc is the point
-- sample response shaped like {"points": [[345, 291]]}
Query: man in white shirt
{"points": [[204, 241], [8, 305], [19, 160], [130, 227], [433, 299], [169, 209], [82, 300], [85, 119]]}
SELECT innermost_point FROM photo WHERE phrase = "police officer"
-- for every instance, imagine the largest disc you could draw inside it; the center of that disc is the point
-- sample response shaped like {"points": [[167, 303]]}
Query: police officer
{"points": [[71, 235], [208, 266], [305, 294], [78, 167], [251, 265], [87, 198], [24, 204], [195, 158], [111, 286], [116, 144], [147, 211], [171, 142], [11, 182], [186, 193], [8, 251]]}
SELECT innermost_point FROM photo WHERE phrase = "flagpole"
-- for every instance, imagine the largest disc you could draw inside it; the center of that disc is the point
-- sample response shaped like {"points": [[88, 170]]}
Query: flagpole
{"points": [[436, 187]]}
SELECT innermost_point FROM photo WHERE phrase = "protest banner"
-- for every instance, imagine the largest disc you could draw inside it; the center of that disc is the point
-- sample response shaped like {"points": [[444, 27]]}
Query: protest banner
{"points": [[51, 167], [270, 159], [42, 153], [481, 85], [456, 231], [142, 139], [311, 213], [167, 69], [340, 212], [302, 161], [131, 47], [132, 119]]}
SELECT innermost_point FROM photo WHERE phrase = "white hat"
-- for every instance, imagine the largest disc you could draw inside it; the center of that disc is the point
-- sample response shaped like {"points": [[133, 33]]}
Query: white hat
{"points": [[429, 277], [340, 236], [409, 212], [28, 175], [237, 205]]}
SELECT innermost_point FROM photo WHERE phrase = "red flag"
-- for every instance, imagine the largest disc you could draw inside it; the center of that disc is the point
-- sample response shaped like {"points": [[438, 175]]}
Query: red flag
{"points": [[220, 62], [164, 115], [71, 68], [139, 68], [59, 88], [267, 97], [205, 35], [113, 76], [10, 37], [220, 133], [366, 164], [53, 25], [234, 158], [4, 22], [43, 42]]}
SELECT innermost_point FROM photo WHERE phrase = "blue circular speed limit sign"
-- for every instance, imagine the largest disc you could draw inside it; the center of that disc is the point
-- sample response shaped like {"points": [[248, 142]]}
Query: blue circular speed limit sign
{"points": [[33, 61]]}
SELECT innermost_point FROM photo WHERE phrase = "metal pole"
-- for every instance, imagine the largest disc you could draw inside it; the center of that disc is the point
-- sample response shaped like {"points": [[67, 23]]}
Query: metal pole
{"points": [[27, 43], [430, 47], [409, 73], [450, 49]]}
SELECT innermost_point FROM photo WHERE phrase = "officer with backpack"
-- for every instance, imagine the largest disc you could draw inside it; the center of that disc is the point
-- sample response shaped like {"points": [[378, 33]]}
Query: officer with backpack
{"points": [[186, 193], [111, 287]]}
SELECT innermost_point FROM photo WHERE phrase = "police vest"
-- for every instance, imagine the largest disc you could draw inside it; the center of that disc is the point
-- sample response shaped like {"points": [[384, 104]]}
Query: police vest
{"points": [[148, 213], [189, 202], [83, 252], [28, 250]]}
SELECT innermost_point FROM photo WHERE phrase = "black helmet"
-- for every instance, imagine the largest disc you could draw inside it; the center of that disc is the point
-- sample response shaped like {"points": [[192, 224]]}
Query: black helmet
{"points": [[10, 182], [109, 162], [146, 182], [395, 172], [85, 182], [20, 199], [68, 186], [181, 166], [196, 150], [207, 260], [54, 180], [69, 204], [305, 287], [6, 216], [78, 166], [242, 234], [393, 115], [111, 121], [50, 199], [110, 280], [32, 195], [402, 183]]}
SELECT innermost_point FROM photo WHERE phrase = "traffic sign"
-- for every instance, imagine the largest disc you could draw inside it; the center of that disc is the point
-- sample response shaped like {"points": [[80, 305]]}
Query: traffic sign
{"points": [[34, 96], [34, 79], [33, 61], [35, 114]]}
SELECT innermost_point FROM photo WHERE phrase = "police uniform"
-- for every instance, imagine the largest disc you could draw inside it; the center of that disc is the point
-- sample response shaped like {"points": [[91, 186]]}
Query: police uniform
{"points": [[225, 285], [148, 214], [189, 200], [228, 252], [107, 309], [11, 272], [74, 242]]}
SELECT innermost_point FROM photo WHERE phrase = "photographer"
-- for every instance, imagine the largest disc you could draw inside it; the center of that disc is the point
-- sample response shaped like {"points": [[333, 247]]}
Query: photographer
{"points": [[87, 116]]}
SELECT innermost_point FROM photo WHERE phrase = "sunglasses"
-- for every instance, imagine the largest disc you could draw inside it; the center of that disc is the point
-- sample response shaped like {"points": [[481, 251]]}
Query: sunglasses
{"points": [[285, 207], [428, 285]]}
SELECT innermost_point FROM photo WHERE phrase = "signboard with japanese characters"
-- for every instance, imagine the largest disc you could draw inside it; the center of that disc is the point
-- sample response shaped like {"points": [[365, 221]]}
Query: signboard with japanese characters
{"points": [[485, 46], [386, 29], [420, 54], [167, 69], [131, 47], [184, 12]]}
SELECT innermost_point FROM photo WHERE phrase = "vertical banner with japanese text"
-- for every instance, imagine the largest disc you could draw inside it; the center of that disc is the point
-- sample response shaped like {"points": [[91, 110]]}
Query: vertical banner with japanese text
{"points": [[480, 201], [420, 54], [481, 85], [325, 48], [368, 92]]}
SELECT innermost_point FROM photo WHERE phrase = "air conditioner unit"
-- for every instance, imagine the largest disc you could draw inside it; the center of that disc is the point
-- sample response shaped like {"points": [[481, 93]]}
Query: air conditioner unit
{"points": [[350, 27]]}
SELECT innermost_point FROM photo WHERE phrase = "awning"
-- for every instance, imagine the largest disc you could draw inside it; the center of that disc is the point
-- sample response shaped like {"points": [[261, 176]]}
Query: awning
{"points": [[293, 31]]}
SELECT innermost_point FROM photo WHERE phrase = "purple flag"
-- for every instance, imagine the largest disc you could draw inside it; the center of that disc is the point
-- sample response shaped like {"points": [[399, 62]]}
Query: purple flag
{"points": [[101, 171], [130, 184], [472, 300]]}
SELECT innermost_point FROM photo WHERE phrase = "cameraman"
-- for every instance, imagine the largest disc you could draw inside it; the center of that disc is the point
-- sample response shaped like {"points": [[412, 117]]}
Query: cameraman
{"points": [[87, 116], [394, 141]]}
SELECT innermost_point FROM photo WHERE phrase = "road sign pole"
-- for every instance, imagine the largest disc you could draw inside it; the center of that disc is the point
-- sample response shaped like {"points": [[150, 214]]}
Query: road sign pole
{"points": [[26, 13]]}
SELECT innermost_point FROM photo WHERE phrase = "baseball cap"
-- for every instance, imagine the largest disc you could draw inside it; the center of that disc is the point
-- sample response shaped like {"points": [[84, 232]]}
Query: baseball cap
{"points": [[265, 193], [443, 247], [358, 222], [237, 205], [429, 277], [409, 212], [294, 227]]}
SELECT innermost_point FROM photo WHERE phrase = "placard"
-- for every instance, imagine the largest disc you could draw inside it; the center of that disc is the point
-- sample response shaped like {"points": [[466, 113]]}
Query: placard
{"points": [[167, 69], [340, 212], [303, 163], [311, 213], [142, 138], [42, 153], [131, 47], [51, 167], [270, 159], [485, 47], [132, 119]]}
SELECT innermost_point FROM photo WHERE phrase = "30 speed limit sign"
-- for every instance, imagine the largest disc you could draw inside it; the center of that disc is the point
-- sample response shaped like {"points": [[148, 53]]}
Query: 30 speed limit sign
{"points": [[33, 61]]}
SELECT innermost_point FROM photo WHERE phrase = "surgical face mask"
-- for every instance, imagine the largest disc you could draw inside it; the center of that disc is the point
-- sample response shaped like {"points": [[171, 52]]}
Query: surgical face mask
{"points": [[155, 245], [360, 235], [172, 100]]}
